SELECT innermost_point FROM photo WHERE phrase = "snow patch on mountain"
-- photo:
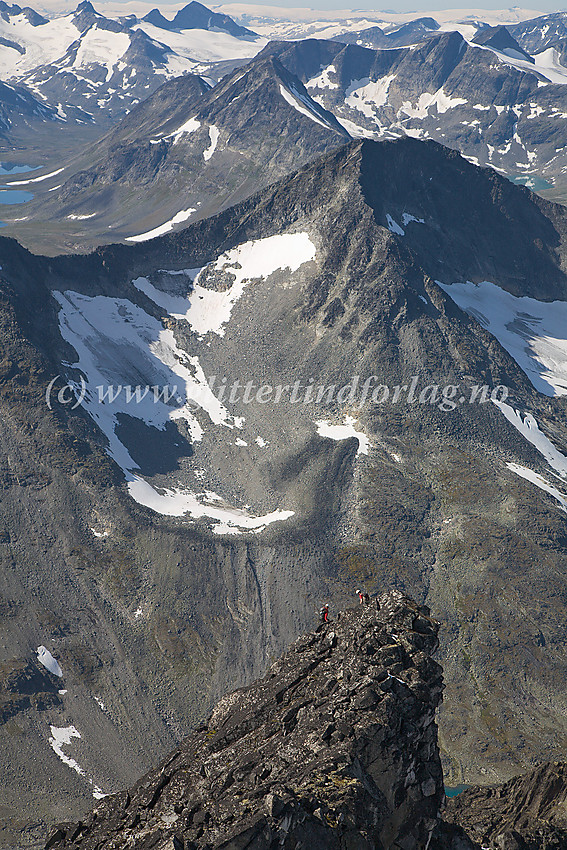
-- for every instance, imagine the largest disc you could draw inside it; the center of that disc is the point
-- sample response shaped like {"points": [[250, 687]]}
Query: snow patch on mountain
{"points": [[394, 227], [344, 432], [46, 658], [178, 218], [208, 310], [528, 428], [214, 137], [367, 96], [42, 45], [133, 368], [101, 47], [355, 130], [442, 101], [127, 353], [533, 332], [178, 503], [188, 127], [322, 81], [62, 737]]}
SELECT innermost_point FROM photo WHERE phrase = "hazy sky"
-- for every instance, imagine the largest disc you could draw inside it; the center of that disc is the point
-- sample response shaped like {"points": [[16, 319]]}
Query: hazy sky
{"points": [[419, 6], [540, 6]]}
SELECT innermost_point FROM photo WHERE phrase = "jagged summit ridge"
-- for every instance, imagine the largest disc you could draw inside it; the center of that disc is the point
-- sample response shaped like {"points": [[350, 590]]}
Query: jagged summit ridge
{"points": [[335, 747]]}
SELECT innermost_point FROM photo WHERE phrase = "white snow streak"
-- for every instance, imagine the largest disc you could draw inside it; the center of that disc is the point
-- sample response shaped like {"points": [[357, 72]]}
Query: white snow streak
{"points": [[214, 137], [61, 737], [182, 215], [540, 482], [35, 179], [393, 226], [344, 432], [304, 105], [178, 503], [188, 127], [529, 429]]}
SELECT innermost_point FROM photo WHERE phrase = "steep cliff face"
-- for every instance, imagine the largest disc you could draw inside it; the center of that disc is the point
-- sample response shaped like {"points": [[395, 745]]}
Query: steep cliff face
{"points": [[335, 748]]}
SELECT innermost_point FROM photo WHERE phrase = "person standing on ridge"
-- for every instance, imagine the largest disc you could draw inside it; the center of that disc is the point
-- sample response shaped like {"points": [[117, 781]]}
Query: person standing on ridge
{"points": [[325, 614]]}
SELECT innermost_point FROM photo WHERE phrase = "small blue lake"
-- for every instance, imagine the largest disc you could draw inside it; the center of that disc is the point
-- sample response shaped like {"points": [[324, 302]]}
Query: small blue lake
{"points": [[532, 181], [14, 196], [453, 791]]}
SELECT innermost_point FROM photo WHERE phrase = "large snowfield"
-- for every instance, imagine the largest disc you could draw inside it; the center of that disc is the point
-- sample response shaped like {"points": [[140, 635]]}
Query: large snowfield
{"points": [[127, 353]]}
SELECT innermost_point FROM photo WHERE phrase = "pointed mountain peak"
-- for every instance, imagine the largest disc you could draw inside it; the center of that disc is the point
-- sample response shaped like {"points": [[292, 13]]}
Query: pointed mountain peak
{"points": [[499, 38], [86, 6], [156, 18], [196, 16]]}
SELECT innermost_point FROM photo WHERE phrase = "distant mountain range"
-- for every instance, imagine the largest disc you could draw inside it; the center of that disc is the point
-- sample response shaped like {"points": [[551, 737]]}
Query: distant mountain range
{"points": [[486, 98], [92, 68], [196, 16], [253, 128], [496, 94]]}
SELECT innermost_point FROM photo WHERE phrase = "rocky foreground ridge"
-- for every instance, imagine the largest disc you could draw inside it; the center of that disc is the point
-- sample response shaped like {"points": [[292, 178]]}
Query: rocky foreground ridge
{"points": [[336, 747]]}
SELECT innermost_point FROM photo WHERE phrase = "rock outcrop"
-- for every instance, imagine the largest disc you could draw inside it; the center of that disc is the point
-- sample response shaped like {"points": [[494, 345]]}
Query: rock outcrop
{"points": [[336, 747], [527, 813]]}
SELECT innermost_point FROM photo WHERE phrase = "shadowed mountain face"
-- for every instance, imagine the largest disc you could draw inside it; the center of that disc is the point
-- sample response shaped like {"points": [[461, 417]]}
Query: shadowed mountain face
{"points": [[165, 548], [499, 38]]}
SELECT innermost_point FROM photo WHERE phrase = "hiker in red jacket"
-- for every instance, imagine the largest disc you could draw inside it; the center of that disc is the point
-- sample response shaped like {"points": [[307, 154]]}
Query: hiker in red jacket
{"points": [[325, 614], [363, 597]]}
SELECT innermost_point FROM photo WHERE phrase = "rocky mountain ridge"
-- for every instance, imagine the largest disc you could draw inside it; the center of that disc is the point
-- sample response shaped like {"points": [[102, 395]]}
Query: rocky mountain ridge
{"points": [[335, 747]]}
